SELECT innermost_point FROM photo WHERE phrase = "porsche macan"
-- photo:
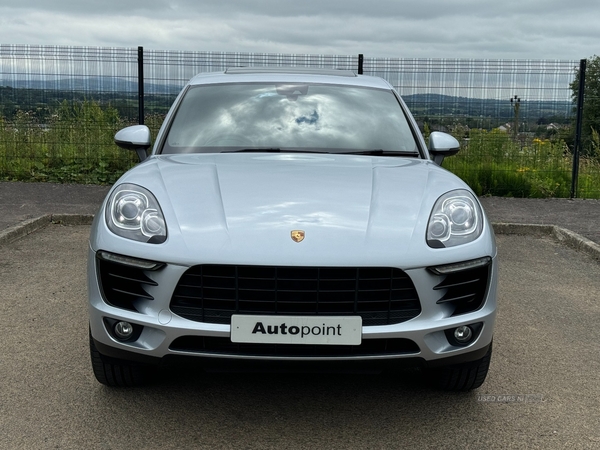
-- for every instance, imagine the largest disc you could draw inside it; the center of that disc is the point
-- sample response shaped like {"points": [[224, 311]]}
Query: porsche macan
{"points": [[291, 217]]}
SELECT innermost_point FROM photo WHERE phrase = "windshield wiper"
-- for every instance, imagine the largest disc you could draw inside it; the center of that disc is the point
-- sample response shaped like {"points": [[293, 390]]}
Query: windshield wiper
{"points": [[375, 152], [270, 150], [381, 152]]}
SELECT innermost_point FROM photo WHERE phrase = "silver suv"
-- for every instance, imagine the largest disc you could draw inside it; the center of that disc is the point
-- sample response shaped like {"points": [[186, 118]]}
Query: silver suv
{"points": [[291, 217]]}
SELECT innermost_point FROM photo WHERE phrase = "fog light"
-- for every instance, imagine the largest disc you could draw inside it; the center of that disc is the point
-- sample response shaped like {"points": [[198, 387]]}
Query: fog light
{"points": [[462, 334], [124, 330]]}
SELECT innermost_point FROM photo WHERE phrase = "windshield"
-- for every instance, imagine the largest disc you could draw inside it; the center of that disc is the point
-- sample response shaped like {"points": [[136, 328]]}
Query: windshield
{"points": [[289, 117]]}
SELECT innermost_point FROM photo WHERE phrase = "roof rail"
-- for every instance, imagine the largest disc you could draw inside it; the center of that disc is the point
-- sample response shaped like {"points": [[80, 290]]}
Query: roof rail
{"points": [[291, 70]]}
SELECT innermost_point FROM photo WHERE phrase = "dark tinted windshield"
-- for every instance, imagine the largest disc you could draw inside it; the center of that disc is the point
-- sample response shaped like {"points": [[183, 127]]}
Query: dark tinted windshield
{"points": [[311, 117]]}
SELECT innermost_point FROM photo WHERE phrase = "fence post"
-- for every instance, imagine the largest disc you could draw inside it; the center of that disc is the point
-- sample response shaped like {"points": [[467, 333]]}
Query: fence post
{"points": [[577, 147], [360, 63], [141, 85]]}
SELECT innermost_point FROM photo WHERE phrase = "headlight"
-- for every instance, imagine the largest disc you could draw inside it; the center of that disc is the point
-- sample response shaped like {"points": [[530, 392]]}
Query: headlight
{"points": [[456, 219], [133, 212]]}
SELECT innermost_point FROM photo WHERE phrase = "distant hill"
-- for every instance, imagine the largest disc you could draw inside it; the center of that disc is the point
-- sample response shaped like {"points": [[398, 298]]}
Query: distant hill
{"points": [[445, 105], [92, 84], [29, 93]]}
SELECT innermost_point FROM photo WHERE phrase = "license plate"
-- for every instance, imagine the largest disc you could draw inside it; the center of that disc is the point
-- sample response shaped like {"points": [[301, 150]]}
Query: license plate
{"points": [[319, 330]]}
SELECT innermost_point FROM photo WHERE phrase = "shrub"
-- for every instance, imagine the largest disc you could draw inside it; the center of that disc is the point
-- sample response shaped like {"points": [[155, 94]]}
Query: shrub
{"points": [[74, 146], [493, 163]]}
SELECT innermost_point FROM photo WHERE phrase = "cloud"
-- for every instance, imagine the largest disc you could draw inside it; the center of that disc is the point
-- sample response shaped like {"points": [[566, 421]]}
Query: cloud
{"points": [[390, 28]]}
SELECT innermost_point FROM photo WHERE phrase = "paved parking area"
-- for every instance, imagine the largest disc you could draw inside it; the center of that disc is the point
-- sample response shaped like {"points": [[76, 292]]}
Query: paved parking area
{"points": [[542, 391]]}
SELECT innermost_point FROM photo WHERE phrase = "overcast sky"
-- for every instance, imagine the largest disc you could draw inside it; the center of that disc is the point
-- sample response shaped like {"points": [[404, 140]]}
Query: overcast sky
{"points": [[505, 29]]}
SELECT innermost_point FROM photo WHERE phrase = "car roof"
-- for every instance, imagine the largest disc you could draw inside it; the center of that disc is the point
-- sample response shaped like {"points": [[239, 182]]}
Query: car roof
{"points": [[289, 75]]}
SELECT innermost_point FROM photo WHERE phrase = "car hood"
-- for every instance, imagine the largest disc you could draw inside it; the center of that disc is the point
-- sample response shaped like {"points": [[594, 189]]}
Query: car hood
{"points": [[245, 207]]}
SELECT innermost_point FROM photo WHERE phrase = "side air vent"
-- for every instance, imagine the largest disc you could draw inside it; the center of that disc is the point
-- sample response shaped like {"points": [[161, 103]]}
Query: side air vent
{"points": [[465, 289], [122, 285]]}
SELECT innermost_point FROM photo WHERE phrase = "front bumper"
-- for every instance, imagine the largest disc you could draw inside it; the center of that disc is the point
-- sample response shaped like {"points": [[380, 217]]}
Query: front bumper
{"points": [[422, 340]]}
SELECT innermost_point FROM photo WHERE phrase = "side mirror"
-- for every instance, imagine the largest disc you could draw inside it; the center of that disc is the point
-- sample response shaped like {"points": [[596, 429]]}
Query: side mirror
{"points": [[442, 145], [136, 138]]}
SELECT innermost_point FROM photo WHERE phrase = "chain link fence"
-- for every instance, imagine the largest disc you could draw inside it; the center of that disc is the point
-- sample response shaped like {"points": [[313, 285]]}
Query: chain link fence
{"points": [[60, 107]]}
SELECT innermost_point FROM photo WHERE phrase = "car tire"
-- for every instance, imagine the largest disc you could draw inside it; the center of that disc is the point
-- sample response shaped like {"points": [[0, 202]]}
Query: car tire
{"points": [[462, 377], [116, 372]]}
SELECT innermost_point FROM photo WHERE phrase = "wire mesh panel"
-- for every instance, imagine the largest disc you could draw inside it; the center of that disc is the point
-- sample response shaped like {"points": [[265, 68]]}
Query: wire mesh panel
{"points": [[60, 107], [166, 72], [478, 92], [514, 119]]}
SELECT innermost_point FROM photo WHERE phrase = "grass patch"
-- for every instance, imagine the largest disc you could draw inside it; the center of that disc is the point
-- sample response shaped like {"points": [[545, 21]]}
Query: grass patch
{"points": [[75, 145], [493, 163]]}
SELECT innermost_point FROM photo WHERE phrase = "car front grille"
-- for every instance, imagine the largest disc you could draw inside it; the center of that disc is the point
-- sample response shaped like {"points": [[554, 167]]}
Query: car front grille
{"points": [[224, 346], [465, 290], [212, 293]]}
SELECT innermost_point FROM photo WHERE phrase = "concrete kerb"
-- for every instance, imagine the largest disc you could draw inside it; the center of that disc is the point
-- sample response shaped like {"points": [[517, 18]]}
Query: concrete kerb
{"points": [[562, 235], [31, 225]]}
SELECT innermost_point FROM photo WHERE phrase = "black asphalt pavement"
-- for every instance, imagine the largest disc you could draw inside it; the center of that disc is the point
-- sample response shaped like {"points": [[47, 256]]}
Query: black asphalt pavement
{"points": [[22, 201]]}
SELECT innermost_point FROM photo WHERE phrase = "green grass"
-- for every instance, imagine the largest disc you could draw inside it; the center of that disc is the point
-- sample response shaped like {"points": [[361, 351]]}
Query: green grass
{"points": [[76, 146], [493, 163]]}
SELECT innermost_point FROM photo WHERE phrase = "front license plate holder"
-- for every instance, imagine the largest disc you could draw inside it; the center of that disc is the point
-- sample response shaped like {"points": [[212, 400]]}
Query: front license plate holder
{"points": [[309, 330]]}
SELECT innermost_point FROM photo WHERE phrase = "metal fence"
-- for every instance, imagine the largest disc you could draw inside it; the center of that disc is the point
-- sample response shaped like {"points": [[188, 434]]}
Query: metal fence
{"points": [[60, 106]]}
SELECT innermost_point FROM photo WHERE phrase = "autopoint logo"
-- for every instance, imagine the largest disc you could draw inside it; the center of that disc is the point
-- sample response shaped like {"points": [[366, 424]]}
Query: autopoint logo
{"points": [[319, 330]]}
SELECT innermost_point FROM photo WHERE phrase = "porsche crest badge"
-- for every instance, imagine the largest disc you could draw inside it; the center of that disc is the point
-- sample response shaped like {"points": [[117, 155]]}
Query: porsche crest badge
{"points": [[298, 235]]}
